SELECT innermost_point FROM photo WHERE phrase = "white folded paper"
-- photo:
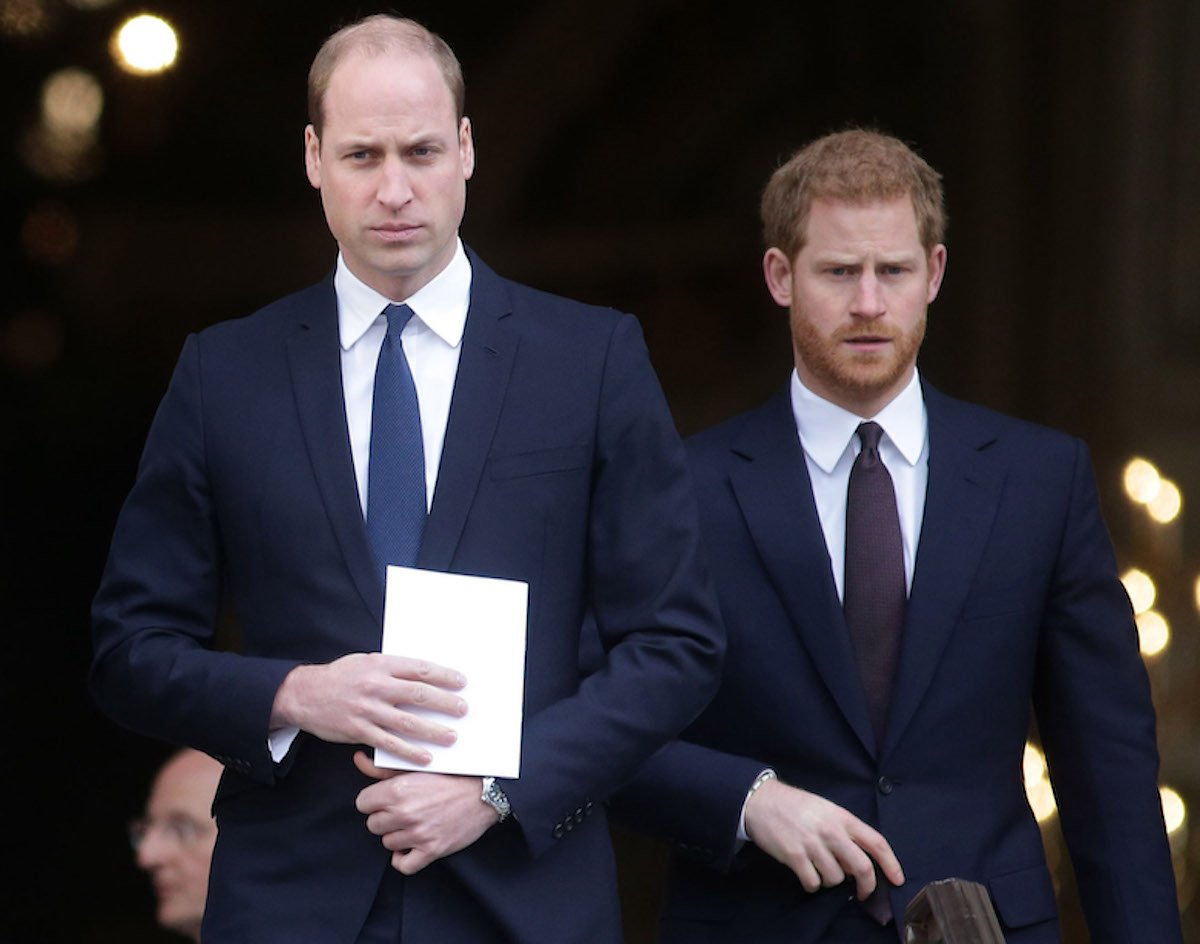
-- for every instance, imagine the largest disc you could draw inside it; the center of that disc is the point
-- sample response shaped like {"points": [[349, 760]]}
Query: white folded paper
{"points": [[477, 626]]}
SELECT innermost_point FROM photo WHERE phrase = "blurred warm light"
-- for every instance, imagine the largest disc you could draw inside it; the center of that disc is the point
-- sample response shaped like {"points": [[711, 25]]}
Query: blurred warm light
{"points": [[145, 45], [22, 17], [1141, 481], [1153, 632], [1196, 592], [1174, 809], [71, 102], [1140, 587], [1037, 787], [50, 233], [31, 341], [1033, 764], [1164, 507], [60, 156], [1041, 800]]}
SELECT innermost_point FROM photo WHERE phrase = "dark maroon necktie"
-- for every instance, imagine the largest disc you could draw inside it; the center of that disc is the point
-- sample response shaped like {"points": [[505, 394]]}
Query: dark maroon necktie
{"points": [[875, 594], [875, 591]]}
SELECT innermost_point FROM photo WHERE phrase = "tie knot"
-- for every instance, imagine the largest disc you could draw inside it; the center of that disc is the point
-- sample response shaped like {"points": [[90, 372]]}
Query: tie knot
{"points": [[397, 317], [869, 435]]}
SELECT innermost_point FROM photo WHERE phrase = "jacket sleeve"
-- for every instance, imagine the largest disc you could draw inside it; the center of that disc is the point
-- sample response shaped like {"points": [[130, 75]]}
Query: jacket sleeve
{"points": [[1096, 721], [655, 612], [155, 668]]}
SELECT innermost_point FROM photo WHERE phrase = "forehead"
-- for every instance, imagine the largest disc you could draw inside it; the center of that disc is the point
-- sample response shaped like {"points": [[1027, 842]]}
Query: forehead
{"points": [[883, 224], [186, 785], [397, 84]]}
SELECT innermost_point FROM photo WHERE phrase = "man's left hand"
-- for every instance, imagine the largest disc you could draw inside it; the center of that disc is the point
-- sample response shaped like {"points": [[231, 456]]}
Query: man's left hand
{"points": [[422, 817]]}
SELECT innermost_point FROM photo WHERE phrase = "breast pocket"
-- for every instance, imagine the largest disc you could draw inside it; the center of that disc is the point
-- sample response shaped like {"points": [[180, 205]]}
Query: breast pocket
{"points": [[539, 462]]}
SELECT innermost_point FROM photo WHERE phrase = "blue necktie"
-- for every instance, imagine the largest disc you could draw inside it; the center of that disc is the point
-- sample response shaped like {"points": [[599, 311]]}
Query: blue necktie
{"points": [[396, 470]]}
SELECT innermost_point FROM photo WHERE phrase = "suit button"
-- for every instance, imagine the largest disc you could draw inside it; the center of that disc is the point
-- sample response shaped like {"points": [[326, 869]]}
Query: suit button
{"points": [[885, 786], [558, 831]]}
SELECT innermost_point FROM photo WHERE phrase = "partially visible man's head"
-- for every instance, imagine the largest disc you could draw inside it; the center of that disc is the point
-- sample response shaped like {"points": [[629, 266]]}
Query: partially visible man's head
{"points": [[174, 839], [856, 166]]}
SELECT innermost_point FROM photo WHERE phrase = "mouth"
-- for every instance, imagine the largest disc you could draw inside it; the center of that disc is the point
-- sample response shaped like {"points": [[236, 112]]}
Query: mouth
{"points": [[868, 342], [396, 232]]}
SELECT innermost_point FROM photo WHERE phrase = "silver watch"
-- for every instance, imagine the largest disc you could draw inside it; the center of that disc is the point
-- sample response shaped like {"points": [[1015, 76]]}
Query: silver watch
{"points": [[494, 797]]}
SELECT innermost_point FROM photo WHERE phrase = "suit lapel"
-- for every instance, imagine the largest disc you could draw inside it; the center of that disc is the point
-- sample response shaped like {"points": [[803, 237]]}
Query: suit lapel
{"points": [[489, 347], [775, 495], [960, 505], [313, 354]]}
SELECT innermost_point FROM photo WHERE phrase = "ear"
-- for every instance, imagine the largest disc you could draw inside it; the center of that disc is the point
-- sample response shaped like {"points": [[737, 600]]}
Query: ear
{"points": [[777, 270], [937, 271], [312, 156], [466, 148]]}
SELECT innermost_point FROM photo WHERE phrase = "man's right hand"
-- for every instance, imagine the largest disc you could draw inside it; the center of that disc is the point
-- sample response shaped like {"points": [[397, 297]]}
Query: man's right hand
{"points": [[818, 840], [361, 699]]}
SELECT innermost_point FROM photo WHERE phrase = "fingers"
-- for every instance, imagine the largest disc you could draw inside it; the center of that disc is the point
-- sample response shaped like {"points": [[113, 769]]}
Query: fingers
{"points": [[364, 765], [411, 861], [872, 842], [420, 670]]}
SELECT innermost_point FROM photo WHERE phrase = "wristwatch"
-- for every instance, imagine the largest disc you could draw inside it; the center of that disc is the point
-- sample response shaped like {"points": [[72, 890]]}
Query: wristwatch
{"points": [[494, 797]]}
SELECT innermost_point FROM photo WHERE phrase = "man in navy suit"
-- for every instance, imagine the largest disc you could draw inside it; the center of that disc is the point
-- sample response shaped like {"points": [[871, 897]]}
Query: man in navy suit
{"points": [[548, 456], [804, 807]]}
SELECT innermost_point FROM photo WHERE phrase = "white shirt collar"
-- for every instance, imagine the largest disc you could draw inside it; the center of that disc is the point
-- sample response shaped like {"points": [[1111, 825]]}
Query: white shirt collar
{"points": [[441, 304], [826, 429]]}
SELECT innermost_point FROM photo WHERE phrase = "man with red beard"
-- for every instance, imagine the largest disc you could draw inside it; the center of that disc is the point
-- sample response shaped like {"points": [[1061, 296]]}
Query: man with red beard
{"points": [[904, 578]]}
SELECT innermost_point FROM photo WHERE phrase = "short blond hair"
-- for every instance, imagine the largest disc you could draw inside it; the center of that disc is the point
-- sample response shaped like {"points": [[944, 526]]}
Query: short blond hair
{"points": [[856, 166], [377, 35]]}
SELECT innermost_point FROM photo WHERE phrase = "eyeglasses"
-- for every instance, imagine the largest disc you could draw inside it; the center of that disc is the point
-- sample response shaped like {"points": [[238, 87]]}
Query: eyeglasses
{"points": [[180, 830]]}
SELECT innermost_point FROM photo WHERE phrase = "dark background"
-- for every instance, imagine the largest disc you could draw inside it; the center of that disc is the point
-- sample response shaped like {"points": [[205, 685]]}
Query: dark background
{"points": [[621, 146]]}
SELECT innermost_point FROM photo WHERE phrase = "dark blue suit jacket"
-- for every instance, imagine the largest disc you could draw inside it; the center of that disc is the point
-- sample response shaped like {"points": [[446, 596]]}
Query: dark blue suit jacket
{"points": [[561, 467], [1015, 602]]}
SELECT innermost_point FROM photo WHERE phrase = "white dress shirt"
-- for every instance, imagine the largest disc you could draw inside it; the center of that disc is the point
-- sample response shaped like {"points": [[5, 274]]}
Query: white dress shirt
{"points": [[827, 435], [432, 342]]}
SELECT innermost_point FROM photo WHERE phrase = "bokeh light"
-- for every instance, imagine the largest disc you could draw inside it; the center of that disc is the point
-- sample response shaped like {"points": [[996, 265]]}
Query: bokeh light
{"points": [[23, 17], [1140, 587], [30, 342], [145, 45], [50, 233], [1141, 480], [1165, 506], [1174, 809], [72, 101], [1037, 785], [1153, 633]]}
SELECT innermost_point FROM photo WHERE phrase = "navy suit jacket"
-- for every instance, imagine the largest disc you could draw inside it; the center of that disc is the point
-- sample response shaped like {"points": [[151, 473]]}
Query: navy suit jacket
{"points": [[561, 467], [1015, 602]]}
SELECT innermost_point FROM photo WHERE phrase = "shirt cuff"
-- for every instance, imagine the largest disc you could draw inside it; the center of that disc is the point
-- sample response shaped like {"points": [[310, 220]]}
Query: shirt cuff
{"points": [[280, 742]]}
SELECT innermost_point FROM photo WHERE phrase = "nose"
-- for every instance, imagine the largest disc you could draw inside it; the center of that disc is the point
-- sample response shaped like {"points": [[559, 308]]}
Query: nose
{"points": [[868, 297], [395, 188], [152, 850]]}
